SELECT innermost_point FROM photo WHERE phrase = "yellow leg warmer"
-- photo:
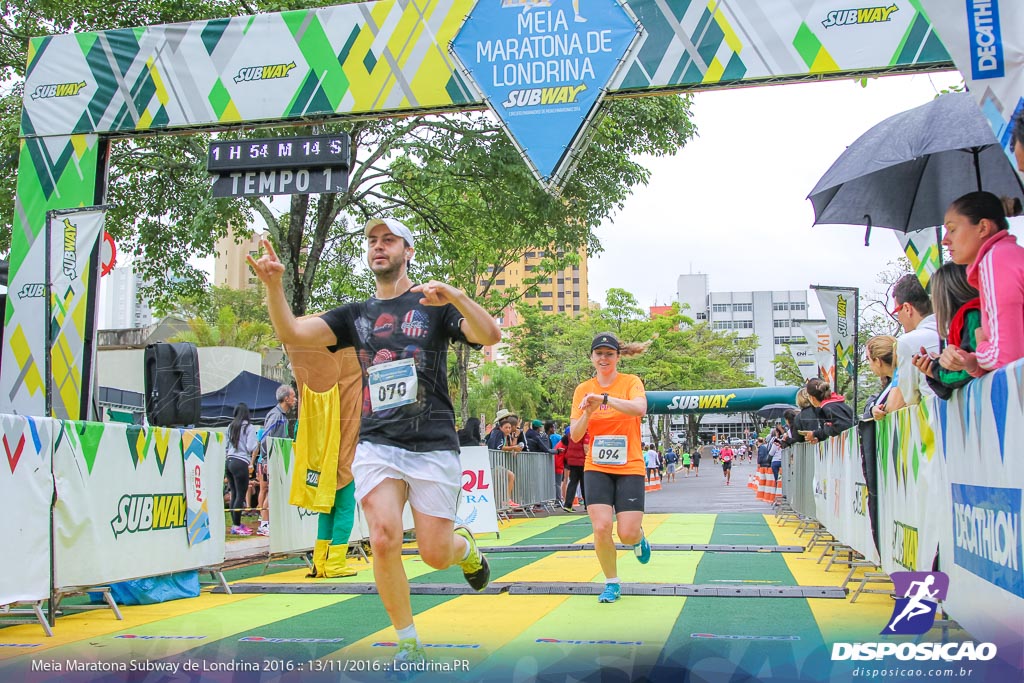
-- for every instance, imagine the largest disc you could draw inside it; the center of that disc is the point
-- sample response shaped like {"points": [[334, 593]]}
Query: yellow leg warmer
{"points": [[336, 562], [319, 559]]}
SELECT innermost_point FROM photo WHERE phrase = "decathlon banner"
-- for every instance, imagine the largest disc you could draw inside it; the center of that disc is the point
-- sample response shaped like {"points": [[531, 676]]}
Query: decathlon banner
{"points": [[985, 40], [840, 307], [820, 338], [122, 511], [841, 492], [980, 431], [806, 362], [26, 487], [913, 489], [72, 288], [476, 499], [923, 250]]}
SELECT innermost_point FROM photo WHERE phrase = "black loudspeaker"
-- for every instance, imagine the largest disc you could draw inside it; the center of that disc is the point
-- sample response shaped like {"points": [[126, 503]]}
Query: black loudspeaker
{"points": [[172, 384]]}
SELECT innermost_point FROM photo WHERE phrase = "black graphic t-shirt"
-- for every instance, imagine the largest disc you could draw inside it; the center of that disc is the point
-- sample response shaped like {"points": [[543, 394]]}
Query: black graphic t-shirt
{"points": [[390, 331]]}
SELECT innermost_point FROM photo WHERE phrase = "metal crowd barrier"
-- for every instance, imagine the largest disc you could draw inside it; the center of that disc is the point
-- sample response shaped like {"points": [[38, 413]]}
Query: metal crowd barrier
{"points": [[533, 484]]}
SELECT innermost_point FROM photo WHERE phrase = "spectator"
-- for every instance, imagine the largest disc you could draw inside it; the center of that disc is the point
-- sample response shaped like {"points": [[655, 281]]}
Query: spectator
{"points": [[958, 319], [670, 463], [575, 460], [763, 457], [536, 440], [241, 459], [880, 353], [275, 426], [977, 237], [835, 415], [913, 311], [651, 462], [774, 455], [469, 435], [1018, 140], [504, 438], [553, 436]]}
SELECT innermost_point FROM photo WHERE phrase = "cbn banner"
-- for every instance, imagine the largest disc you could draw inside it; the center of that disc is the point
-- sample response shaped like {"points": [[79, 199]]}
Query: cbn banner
{"points": [[841, 492], [987, 46], [476, 500], [840, 307], [806, 362], [820, 338], [293, 528], [980, 430], [913, 489], [26, 487], [122, 511]]}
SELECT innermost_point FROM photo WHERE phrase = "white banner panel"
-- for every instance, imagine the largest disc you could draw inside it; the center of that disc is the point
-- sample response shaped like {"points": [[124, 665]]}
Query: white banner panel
{"points": [[121, 510], [72, 296], [980, 430], [841, 493], [292, 528], [912, 490], [476, 500], [26, 487]]}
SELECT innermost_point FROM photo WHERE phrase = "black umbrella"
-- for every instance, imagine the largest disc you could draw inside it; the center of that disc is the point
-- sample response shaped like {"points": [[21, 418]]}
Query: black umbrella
{"points": [[904, 172], [774, 411]]}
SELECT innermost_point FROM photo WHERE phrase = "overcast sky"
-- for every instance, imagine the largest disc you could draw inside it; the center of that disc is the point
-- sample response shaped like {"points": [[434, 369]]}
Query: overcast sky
{"points": [[733, 202]]}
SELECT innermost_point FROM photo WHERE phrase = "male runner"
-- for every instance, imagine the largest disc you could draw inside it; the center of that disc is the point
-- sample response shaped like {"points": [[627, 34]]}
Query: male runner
{"points": [[408, 449]]}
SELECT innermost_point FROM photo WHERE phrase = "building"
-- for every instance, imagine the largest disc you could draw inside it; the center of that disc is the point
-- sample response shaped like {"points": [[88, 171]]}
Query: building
{"points": [[768, 314], [564, 291], [121, 306], [230, 269]]}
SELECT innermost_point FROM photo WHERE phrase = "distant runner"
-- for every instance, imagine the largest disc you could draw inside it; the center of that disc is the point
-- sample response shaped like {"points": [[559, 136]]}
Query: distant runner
{"points": [[609, 407], [726, 455]]}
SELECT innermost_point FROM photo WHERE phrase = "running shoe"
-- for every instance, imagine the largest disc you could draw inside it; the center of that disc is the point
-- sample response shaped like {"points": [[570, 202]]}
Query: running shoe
{"points": [[610, 593], [264, 530], [513, 504], [474, 568], [642, 550], [241, 531], [567, 508], [410, 650]]}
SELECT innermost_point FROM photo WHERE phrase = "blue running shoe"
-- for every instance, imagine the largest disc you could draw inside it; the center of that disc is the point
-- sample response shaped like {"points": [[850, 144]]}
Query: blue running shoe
{"points": [[610, 593], [642, 550]]}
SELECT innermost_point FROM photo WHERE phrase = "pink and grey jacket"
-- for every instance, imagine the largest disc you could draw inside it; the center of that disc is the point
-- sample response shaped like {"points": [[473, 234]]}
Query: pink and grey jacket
{"points": [[998, 273]]}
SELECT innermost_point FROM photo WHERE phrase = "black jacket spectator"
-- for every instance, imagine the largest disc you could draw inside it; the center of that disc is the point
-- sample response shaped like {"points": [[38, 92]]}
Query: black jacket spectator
{"points": [[537, 441]]}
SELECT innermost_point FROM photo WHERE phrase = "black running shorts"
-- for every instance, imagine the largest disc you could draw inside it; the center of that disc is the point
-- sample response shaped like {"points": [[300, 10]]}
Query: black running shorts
{"points": [[624, 492]]}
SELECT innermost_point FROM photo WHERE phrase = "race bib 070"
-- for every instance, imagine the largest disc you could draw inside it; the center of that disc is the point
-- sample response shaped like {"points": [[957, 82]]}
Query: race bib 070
{"points": [[609, 450], [392, 384]]}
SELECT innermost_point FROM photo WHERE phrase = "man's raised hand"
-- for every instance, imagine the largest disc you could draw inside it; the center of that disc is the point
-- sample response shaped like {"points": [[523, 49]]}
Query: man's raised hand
{"points": [[268, 268]]}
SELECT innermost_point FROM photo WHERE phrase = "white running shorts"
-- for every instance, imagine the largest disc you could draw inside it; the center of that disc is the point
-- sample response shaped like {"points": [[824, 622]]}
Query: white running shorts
{"points": [[434, 477]]}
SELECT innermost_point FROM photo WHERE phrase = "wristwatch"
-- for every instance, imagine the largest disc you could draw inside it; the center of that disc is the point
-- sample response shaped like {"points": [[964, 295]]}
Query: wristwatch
{"points": [[605, 401]]}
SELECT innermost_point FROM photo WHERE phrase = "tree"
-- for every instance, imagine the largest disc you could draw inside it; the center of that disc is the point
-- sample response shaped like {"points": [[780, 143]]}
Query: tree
{"points": [[786, 369], [503, 386], [247, 305], [229, 331]]}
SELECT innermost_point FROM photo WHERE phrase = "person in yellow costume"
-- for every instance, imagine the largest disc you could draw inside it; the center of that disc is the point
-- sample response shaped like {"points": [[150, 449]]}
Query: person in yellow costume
{"points": [[330, 386]]}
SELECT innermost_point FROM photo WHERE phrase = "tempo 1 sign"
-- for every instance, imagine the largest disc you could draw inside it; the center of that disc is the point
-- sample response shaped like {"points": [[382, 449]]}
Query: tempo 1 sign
{"points": [[280, 181], [294, 165]]}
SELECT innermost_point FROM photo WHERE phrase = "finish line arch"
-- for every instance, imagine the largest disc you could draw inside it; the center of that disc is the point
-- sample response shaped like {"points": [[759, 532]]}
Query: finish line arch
{"points": [[388, 58]]}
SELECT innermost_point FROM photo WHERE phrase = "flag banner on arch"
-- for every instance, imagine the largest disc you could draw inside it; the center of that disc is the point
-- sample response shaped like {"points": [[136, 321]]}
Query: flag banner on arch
{"points": [[924, 252], [806, 361]]}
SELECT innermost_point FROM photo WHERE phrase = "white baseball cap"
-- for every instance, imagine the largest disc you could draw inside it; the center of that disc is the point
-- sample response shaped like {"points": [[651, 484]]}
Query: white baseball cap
{"points": [[397, 228]]}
